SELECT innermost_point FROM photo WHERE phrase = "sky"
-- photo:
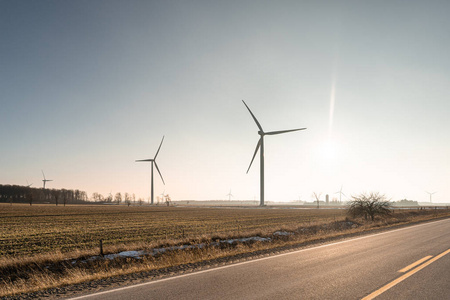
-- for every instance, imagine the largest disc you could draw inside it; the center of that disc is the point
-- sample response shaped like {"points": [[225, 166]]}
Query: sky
{"points": [[88, 87]]}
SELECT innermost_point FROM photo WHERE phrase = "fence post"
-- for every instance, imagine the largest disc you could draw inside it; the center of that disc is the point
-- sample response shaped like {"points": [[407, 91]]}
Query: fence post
{"points": [[101, 248]]}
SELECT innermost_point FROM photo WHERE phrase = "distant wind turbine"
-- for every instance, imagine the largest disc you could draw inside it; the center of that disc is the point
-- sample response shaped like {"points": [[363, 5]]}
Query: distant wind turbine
{"points": [[153, 161], [260, 145], [45, 180], [29, 184], [161, 196], [229, 196], [340, 194], [431, 194]]}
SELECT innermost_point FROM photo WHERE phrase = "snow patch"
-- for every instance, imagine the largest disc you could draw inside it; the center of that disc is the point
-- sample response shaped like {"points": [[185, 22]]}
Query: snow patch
{"points": [[153, 252], [284, 233]]}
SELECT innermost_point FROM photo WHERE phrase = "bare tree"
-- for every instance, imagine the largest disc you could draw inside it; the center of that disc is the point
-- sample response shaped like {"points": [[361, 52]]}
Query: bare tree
{"points": [[94, 196], [317, 196], [109, 199], [30, 198], [56, 195], [369, 205], [127, 199], [118, 198], [64, 196], [168, 200]]}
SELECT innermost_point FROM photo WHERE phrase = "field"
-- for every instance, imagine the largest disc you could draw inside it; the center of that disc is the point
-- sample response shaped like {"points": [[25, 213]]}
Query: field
{"points": [[26, 230], [44, 246]]}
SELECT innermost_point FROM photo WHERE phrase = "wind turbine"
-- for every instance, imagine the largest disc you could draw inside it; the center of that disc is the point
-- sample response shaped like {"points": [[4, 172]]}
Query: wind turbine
{"points": [[430, 194], [340, 194], [229, 196], [161, 196], [45, 180], [153, 161], [29, 184], [260, 145]]}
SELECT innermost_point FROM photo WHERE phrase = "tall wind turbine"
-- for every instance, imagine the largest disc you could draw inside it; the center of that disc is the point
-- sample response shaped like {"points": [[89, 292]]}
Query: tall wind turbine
{"points": [[45, 180], [260, 145], [229, 196], [153, 161], [431, 194], [340, 194]]}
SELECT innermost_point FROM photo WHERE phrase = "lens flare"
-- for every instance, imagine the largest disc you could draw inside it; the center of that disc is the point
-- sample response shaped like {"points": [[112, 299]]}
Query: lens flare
{"points": [[332, 101]]}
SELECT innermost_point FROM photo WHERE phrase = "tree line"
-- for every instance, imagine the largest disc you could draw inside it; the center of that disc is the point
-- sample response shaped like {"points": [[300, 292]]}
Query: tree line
{"points": [[118, 198], [26, 194]]}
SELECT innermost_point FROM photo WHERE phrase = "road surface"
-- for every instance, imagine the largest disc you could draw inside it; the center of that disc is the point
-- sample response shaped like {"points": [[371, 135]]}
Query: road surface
{"points": [[366, 267]]}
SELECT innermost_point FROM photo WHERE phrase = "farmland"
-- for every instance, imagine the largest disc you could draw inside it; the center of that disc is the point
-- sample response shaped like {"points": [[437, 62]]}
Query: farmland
{"points": [[26, 230]]}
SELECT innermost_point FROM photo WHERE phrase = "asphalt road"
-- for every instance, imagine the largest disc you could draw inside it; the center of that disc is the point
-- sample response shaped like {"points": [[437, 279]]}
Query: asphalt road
{"points": [[351, 269]]}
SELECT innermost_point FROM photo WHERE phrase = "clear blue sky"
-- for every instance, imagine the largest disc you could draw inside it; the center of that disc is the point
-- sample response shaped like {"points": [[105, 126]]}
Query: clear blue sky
{"points": [[88, 87]]}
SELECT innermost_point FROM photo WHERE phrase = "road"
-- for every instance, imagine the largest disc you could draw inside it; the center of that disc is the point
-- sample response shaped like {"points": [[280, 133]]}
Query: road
{"points": [[364, 267]]}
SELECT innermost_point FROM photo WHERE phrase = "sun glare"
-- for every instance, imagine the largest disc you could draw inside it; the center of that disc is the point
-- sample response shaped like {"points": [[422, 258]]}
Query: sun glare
{"points": [[328, 150]]}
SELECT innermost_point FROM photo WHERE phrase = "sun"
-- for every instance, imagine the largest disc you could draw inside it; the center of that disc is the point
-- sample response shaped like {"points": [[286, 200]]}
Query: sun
{"points": [[328, 150]]}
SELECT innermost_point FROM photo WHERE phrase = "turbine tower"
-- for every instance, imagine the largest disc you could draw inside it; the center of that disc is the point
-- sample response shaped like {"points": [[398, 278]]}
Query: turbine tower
{"points": [[45, 180], [260, 145], [153, 161], [431, 195]]}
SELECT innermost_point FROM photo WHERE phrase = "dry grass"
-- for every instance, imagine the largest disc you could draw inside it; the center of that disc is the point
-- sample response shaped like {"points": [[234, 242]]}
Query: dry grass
{"points": [[37, 241]]}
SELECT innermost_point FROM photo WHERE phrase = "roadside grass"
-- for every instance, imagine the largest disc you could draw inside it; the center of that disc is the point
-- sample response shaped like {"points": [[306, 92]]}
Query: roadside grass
{"points": [[39, 246]]}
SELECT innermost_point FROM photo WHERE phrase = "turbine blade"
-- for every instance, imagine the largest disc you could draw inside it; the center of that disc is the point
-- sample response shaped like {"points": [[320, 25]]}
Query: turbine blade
{"points": [[140, 160], [159, 173], [254, 118], [159, 148], [256, 151], [283, 131], [43, 174]]}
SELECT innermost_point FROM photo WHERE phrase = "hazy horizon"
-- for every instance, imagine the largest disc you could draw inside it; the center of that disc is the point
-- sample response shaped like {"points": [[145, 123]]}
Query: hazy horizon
{"points": [[88, 87]]}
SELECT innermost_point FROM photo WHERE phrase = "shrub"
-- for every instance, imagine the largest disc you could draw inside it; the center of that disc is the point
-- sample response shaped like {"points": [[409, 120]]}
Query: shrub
{"points": [[369, 205]]}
